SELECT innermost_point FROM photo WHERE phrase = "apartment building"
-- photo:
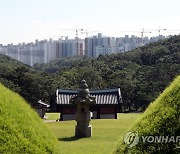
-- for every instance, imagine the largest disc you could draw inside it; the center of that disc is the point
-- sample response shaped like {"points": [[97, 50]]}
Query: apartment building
{"points": [[43, 51], [96, 45], [46, 50]]}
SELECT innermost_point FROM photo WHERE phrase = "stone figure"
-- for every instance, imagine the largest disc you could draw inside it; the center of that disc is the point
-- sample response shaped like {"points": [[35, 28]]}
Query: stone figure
{"points": [[82, 101]]}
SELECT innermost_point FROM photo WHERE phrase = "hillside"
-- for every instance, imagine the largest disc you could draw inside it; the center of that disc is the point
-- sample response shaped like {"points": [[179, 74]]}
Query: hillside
{"points": [[141, 74], [31, 84], [21, 130], [162, 118]]}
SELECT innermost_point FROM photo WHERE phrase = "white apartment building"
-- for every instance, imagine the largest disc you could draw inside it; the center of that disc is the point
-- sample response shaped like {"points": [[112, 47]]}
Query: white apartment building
{"points": [[43, 51], [102, 50], [46, 50], [96, 45], [70, 47]]}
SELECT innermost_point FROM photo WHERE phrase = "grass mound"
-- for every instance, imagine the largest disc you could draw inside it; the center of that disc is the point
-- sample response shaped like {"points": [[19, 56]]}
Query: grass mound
{"points": [[21, 130], [162, 118]]}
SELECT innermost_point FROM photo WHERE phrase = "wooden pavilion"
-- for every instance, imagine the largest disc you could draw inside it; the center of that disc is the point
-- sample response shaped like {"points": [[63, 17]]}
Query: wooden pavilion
{"points": [[108, 103]]}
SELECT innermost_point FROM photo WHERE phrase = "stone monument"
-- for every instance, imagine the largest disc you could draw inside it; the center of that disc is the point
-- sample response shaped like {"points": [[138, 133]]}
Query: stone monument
{"points": [[82, 101]]}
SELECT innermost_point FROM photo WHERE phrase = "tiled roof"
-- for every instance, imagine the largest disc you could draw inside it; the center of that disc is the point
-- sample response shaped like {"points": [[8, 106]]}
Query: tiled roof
{"points": [[106, 96], [42, 104]]}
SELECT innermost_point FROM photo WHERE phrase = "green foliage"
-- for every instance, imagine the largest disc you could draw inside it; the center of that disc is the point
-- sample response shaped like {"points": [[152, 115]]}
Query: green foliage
{"points": [[141, 74], [26, 81], [162, 118], [21, 130], [92, 77]]}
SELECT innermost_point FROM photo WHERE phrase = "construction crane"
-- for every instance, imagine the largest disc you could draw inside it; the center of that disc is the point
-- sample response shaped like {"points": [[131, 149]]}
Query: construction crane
{"points": [[76, 30], [87, 32], [142, 34], [143, 31], [159, 30]]}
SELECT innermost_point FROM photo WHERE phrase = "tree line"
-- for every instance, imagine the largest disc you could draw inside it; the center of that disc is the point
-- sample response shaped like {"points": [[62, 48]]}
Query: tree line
{"points": [[142, 74]]}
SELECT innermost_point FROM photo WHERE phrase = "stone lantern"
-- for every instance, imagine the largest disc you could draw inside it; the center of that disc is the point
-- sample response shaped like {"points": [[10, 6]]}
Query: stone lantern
{"points": [[82, 101]]}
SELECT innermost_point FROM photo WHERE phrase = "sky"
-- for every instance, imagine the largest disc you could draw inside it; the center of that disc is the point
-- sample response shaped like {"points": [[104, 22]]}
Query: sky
{"points": [[27, 20]]}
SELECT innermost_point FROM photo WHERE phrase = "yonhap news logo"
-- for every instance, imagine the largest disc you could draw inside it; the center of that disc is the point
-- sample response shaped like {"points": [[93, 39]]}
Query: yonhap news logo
{"points": [[132, 139]]}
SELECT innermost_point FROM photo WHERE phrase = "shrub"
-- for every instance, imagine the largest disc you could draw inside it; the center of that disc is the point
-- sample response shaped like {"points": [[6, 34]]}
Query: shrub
{"points": [[21, 130], [162, 118]]}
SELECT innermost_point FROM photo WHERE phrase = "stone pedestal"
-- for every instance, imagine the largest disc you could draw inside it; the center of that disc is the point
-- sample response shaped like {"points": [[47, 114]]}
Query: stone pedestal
{"points": [[83, 131]]}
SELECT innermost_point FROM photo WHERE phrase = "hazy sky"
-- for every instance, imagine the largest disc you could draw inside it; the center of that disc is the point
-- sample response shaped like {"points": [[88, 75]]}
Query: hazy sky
{"points": [[27, 20]]}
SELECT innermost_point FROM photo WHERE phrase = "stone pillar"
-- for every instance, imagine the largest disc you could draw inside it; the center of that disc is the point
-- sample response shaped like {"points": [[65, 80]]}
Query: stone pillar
{"points": [[83, 129], [82, 101]]}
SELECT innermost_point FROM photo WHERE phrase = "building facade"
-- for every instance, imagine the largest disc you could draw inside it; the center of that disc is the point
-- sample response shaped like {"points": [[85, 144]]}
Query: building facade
{"points": [[108, 103], [96, 45]]}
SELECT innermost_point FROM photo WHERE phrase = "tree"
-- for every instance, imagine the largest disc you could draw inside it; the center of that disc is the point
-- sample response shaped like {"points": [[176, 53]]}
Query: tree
{"points": [[92, 77]]}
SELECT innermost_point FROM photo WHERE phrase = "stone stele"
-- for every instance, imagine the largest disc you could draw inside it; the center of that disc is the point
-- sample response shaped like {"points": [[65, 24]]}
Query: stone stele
{"points": [[82, 101]]}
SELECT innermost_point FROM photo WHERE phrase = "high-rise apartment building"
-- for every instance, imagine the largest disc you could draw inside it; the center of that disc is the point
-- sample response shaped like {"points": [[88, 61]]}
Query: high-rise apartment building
{"points": [[43, 51], [46, 50], [96, 45]]}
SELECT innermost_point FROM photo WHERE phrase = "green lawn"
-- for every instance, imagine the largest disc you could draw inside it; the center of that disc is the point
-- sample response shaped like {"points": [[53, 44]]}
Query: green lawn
{"points": [[52, 116], [105, 135]]}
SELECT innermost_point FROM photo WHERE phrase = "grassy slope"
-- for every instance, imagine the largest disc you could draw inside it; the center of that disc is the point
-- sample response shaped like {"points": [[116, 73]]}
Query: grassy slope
{"points": [[162, 118], [21, 130], [52, 116], [105, 135]]}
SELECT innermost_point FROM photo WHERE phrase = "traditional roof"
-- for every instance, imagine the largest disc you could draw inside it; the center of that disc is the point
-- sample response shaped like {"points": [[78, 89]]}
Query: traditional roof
{"points": [[103, 97], [41, 104]]}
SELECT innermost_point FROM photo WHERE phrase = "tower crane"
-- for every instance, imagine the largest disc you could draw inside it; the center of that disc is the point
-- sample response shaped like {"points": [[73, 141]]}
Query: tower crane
{"points": [[142, 34], [143, 31], [87, 32], [159, 30], [76, 30], [77, 38]]}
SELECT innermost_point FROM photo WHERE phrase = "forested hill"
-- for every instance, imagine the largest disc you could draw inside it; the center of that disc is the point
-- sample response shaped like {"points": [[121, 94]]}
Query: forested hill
{"points": [[141, 74], [25, 80]]}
